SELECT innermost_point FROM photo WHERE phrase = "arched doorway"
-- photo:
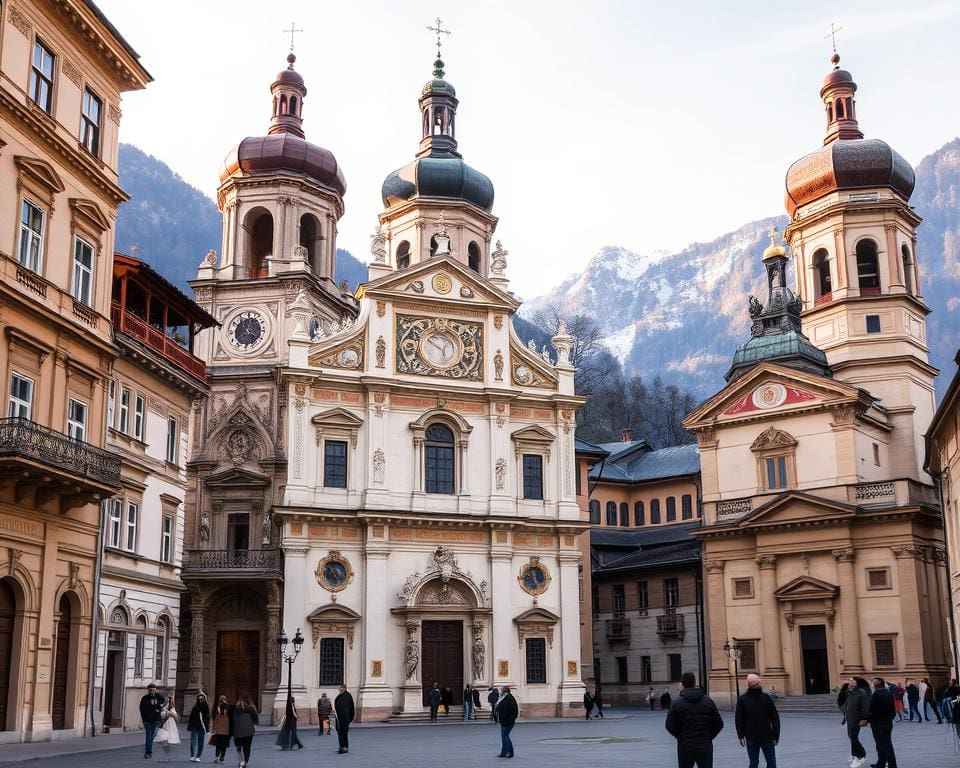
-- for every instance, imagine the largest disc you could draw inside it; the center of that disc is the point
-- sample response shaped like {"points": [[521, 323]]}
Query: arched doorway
{"points": [[63, 653], [8, 617]]}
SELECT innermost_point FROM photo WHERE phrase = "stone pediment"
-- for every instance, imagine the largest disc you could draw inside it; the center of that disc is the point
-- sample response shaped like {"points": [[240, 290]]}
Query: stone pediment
{"points": [[231, 478], [794, 508], [442, 279], [40, 172], [773, 439], [90, 212], [337, 417], [333, 618], [528, 367], [536, 615], [534, 622], [806, 588]]}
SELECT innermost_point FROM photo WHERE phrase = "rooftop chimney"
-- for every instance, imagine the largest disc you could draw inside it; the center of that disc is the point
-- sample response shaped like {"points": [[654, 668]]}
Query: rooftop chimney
{"points": [[626, 435]]}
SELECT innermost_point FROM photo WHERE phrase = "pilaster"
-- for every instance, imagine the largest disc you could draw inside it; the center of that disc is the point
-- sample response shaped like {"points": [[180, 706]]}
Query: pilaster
{"points": [[849, 613]]}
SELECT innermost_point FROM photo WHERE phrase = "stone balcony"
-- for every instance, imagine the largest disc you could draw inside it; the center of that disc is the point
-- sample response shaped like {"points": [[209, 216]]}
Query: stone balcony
{"points": [[618, 630], [670, 624]]}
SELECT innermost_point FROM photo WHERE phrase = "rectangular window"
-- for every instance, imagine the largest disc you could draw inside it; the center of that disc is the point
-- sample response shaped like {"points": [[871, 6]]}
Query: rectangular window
{"points": [[238, 530], [873, 323], [878, 578], [83, 271], [160, 651], [21, 397], [335, 464], [748, 654], [671, 592], [686, 506], [124, 425], [671, 509], [173, 440], [166, 539], [743, 587], [536, 660], [776, 472], [111, 402], [876, 454], [675, 665], [532, 477], [90, 122], [643, 597], [76, 420], [646, 671], [883, 650], [621, 669], [138, 410], [138, 656], [439, 469], [114, 521], [41, 77], [619, 598], [133, 515], [331, 661], [32, 220]]}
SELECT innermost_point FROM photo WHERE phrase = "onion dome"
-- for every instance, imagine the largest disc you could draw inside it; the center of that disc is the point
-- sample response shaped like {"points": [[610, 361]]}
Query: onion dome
{"points": [[285, 149], [847, 161], [439, 169]]}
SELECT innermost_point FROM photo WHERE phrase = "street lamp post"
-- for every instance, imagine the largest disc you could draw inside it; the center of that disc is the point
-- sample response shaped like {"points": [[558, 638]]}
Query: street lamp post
{"points": [[291, 657], [733, 649]]}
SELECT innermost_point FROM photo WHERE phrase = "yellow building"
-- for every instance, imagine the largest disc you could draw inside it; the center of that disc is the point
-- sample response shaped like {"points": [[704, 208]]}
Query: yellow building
{"points": [[823, 545], [62, 69]]}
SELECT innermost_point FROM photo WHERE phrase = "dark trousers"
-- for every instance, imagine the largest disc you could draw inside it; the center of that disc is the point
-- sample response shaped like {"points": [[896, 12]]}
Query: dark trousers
{"points": [[221, 744], [343, 732], [149, 732], [687, 758], [883, 736], [652, 702], [769, 753], [856, 748], [433, 711], [506, 746], [243, 746], [914, 707], [926, 711]]}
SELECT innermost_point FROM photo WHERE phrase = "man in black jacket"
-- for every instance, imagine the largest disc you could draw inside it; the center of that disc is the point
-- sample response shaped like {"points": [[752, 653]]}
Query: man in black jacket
{"points": [[151, 706], [882, 712], [758, 724], [508, 712], [693, 720], [343, 706]]}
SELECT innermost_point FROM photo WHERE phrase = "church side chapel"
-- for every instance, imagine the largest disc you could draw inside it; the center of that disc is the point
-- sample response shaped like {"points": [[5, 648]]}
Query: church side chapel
{"points": [[429, 520], [822, 540]]}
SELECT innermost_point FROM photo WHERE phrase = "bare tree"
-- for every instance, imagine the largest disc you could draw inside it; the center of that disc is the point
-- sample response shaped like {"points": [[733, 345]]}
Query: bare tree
{"points": [[588, 354]]}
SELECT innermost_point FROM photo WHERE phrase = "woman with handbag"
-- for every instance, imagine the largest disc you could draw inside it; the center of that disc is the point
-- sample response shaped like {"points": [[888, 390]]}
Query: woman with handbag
{"points": [[198, 724], [245, 719], [221, 729], [168, 733], [287, 737]]}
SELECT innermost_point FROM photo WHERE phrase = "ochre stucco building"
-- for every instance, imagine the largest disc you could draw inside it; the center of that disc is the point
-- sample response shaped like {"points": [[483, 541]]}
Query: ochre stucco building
{"points": [[823, 544]]}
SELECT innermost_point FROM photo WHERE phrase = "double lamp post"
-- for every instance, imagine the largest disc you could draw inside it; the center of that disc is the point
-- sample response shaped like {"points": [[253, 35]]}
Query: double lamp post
{"points": [[289, 657], [733, 649]]}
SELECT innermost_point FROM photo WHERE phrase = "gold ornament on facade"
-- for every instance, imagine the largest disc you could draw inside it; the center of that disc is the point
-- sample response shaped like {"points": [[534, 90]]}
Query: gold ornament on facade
{"points": [[442, 283], [334, 573], [534, 578], [381, 351], [439, 347]]}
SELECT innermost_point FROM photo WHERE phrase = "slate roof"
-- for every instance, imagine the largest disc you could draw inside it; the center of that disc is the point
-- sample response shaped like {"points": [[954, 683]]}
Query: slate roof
{"points": [[589, 449], [616, 550], [674, 461]]}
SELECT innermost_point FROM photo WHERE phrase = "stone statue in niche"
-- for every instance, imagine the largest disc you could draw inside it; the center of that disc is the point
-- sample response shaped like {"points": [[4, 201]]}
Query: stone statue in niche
{"points": [[498, 366], [381, 351], [501, 473], [379, 463], [412, 651], [266, 524], [204, 526], [479, 652]]}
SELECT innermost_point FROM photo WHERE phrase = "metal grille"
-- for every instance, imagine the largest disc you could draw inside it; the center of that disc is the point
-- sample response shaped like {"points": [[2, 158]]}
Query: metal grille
{"points": [[335, 464], [331, 661], [536, 660], [748, 654], [532, 477], [883, 649], [25, 438]]}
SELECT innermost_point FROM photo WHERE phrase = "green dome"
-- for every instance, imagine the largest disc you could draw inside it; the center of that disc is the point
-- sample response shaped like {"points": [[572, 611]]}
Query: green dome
{"points": [[788, 348], [431, 176]]}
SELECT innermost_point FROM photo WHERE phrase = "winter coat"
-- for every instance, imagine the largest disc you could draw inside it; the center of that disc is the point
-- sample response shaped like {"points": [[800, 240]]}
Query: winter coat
{"points": [[757, 718], [493, 697], [150, 708], [693, 720], [199, 719], [476, 698], [913, 693], [245, 721], [882, 708], [343, 705], [222, 725], [587, 701], [434, 698], [507, 710], [665, 700], [324, 708], [857, 708]]}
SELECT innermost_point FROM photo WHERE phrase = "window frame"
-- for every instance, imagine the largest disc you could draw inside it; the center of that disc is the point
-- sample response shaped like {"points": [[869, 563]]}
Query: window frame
{"points": [[75, 425], [671, 598], [532, 468], [160, 649], [618, 596], [593, 508], [90, 126], [166, 538], [655, 512], [131, 525], [81, 270], [329, 681], [139, 416], [610, 518], [39, 77], [749, 595], [111, 402], [639, 513], [686, 506], [624, 514], [435, 463], [776, 474], [540, 665], [329, 443], [173, 441], [643, 597], [114, 522], [14, 401], [888, 581], [123, 424], [36, 242], [745, 663], [775, 445], [884, 637], [623, 670], [671, 515]]}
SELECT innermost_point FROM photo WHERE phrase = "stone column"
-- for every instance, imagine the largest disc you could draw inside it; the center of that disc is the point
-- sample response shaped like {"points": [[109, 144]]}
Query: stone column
{"points": [[841, 256], [717, 613], [502, 644], [893, 255], [272, 665], [198, 611], [412, 689], [570, 695], [376, 698], [771, 644], [849, 615]]}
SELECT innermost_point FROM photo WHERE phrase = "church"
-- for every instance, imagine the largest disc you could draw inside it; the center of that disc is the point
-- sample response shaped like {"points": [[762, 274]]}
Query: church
{"points": [[823, 545]]}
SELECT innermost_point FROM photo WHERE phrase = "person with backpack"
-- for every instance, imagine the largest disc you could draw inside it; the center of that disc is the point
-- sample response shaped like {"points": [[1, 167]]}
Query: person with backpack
{"points": [[324, 710], [758, 724]]}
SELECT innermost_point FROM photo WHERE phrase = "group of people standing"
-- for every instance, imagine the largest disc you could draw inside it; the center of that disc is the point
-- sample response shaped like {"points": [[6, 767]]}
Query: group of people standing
{"points": [[917, 697]]}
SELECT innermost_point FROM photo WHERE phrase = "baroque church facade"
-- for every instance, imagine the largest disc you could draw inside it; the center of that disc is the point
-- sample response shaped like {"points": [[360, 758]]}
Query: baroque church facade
{"points": [[429, 521], [822, 540]]}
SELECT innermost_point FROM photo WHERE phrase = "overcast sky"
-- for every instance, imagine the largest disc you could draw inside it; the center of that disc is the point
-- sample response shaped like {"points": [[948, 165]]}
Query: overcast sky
{"points": [[647, 125]]}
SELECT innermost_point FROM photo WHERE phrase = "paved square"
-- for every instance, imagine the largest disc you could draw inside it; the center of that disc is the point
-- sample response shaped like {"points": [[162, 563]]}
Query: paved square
{"points": [[624, 738]]}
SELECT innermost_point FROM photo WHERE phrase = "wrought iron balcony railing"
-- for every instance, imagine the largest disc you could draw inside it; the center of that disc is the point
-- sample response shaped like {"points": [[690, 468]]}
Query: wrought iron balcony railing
{"points": [[232, 562], [25, 439], [618, 629], [670, 624]]}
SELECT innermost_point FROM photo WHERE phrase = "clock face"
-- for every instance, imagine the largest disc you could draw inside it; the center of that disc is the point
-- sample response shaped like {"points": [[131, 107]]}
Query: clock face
{"points": [[334, 573], [441, 349], [247, 330]]}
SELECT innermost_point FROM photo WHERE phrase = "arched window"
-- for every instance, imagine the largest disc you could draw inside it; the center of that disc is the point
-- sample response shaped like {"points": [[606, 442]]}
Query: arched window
{"points": [[283, 103], [907, 268], [821, 274], [259, 229], [638, 515], [160, 649], [473, 257], [655, 511], [138, 640], [439, 459], [671, 509], [839, 109], [624, 514], [829, 113], [686, 507], [595, 512], [310, 237], [293, 105], [64, 684], [403, 255], [868, 271], [611, 513]]}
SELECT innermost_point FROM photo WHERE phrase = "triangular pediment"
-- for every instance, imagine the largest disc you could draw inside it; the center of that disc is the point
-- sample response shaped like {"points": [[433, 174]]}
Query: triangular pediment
{"points": [[770, 389], [337, 417], [41, 172], [773, 439], [234, 477], [333, 612], [807, 588], [90, 212], [529, 368], [533, 434], [795, 507], [537, 615], [441, 279]]}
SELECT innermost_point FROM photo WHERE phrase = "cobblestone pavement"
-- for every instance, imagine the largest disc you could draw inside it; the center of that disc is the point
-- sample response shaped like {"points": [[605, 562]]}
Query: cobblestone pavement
{"points": [[624, 738]]}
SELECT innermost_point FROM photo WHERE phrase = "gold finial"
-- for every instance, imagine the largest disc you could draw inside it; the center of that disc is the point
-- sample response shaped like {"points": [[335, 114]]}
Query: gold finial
{"points": [[773, 250], [292, 31], [440, 31]]}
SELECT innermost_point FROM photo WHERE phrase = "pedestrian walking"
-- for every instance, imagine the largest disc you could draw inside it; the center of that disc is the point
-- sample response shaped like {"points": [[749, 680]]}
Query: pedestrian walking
{"points": [[842, 702], [693, 720], [245, 721], [882, 712], [509, 712], [198, 724], [588, 703], [447, 700], [343, 706], [493, 697], [652, 698], [221, 729], [324, 710], [168, 733], [897, 691], [434, 699], [929, 701], [947, 699], [476, 702], [857, 712], [913, 700], [598, 702], [665, 699], [467, 702], [287, 737], [758, 724], [151, 707]]}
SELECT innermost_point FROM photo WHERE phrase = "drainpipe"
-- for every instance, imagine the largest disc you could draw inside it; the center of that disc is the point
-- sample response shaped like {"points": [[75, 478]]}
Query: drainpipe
{"points": [[95, 640], [938, 477]]}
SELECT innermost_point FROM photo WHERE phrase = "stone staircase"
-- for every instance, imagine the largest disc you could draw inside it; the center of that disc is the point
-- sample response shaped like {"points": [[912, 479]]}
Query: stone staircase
{"points": [[455, 716], [825, 703]]}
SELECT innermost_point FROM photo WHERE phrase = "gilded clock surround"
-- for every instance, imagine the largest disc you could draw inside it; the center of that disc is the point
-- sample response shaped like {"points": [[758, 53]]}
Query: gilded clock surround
{"points": [[413, 332], [534, 563]]}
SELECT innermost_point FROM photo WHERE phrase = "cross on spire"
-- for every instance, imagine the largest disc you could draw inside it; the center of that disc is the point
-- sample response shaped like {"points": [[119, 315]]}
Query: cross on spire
{"points": [[832, 34], [440, 31], [292, 31]]}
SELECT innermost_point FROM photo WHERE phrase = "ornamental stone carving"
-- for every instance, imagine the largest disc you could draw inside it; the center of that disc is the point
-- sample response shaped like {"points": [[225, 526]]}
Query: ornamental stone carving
{"points": [[713, 566], [501, 473], [498, 260], [381, 351], [498, 365], [844, 555], [412, 650], [767, 561], [479, 652], [378, 247], [379, 463]]}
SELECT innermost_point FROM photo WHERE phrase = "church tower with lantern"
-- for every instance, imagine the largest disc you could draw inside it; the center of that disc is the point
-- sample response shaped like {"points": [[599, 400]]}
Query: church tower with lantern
{"points": [[281, 197]]}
